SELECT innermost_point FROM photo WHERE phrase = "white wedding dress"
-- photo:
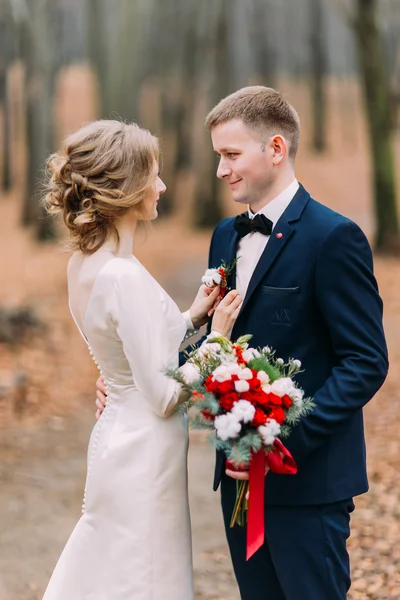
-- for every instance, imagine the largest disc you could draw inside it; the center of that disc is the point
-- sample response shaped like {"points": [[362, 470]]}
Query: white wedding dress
{"points": [[133, 541]]}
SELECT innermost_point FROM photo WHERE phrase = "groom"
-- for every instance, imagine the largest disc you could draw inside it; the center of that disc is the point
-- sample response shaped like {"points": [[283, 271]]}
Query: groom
{"points": [[306, 276]]}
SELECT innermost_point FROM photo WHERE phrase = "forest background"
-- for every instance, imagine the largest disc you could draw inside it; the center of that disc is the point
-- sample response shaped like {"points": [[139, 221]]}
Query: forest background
{"points": [[164, 64]]}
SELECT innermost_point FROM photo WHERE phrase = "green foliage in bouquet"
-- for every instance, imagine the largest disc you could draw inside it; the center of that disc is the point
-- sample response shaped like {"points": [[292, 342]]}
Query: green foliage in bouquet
{"points": [[260, 364]]}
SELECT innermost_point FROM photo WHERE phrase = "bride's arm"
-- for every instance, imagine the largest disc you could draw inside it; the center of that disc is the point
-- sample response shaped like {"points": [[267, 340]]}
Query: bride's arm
{"points": [[140, 324], [133, 323], [203, 307], [190, 328]]}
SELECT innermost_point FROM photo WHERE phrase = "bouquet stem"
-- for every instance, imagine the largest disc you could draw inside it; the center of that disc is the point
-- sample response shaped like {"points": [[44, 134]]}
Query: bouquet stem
{"points": [[240, 509]]}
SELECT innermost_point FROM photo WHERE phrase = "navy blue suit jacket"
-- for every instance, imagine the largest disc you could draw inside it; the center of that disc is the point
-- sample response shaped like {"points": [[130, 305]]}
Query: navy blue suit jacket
{"points": [[313, 296]]}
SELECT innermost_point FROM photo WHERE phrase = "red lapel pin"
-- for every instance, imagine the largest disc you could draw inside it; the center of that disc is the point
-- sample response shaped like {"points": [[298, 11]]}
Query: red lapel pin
{"points": [[279, 235]]}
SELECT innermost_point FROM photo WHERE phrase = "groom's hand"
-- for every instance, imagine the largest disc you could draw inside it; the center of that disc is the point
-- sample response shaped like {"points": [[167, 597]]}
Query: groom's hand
{"points": [[242, 475], [101, 397]]}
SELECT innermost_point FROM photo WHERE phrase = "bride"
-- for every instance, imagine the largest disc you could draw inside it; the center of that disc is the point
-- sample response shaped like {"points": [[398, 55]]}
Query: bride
{"points": [[133, 540]]}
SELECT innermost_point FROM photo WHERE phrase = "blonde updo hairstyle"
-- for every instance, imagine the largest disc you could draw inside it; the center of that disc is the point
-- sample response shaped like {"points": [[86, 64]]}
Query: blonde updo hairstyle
{"points": [[102, 171]]}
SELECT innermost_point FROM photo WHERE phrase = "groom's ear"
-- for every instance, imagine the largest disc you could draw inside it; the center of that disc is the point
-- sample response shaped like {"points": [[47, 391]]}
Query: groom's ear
{"points": [[279, 147]]}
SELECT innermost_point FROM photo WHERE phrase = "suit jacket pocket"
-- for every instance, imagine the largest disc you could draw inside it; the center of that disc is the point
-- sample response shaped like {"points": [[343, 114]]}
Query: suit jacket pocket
{"points": [[281, 290]]}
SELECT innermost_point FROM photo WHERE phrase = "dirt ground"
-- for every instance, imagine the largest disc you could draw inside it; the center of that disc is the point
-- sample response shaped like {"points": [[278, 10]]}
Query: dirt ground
{"points": [[45, 422]]}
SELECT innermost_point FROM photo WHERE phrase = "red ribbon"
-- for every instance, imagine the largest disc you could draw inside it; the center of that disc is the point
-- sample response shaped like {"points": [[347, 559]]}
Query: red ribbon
{"points": [[255, 517], [278, 464], [284, 465]]}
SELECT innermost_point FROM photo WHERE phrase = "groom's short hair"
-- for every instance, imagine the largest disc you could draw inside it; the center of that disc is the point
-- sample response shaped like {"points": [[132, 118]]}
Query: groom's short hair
{"points": [[260, 108]]}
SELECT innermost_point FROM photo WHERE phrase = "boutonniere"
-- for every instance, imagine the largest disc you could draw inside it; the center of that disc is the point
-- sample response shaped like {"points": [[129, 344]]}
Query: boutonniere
{"points": [[219, 276]]}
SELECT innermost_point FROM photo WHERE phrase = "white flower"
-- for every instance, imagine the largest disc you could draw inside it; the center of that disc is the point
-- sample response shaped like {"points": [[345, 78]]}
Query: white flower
{"points": [[266, 388], [280, 361], [227, 426], [233, 367], [207, 349], [211, 278], [263, 377], [190, 372], [269, 432], [243, 410], [241, 386], [245, 373], [222, 373], [297, 363], [266, 349], [251, 353], [297, 395], [281, 387]]}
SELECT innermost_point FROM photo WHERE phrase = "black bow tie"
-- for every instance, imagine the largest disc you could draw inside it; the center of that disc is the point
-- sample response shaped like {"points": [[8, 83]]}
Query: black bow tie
{"points": [[244, 225]]}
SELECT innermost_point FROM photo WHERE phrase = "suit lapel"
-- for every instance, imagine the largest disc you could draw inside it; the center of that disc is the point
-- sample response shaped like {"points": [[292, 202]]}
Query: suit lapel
{"points": [[230, 255], [280, 236]]}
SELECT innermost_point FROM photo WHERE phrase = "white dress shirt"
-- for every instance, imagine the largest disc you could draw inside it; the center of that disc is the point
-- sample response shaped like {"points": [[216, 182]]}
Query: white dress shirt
{"points": [[251, 246]]}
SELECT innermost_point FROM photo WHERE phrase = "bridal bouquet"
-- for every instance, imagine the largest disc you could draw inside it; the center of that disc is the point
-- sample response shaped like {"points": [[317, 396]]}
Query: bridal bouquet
{"points": [[248, 398]]}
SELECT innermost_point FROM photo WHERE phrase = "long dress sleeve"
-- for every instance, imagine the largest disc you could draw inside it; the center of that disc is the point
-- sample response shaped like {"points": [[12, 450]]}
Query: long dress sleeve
{"points": [[140, 324]]}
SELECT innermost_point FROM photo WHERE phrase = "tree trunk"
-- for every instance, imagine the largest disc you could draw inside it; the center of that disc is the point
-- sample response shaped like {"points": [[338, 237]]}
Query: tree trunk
{"points": [[215, 79], [378, 107], [97, 40], [179, 99], [6, 146], [39, 60], [6, 56], [319, 69], [264, 52]]}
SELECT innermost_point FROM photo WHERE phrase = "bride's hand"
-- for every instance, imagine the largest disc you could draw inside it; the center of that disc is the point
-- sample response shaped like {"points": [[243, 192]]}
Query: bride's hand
{"points": [[203, 305], [226, 313]]}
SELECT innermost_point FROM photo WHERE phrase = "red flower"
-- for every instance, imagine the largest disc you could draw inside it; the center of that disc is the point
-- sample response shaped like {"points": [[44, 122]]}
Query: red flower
{"points": [[225, 387], [260, 418], [226, 401], [210, 384], [249, 396], [208, 415], [263, 398], [239, 354], [277, 414], [218, 387], [287, 401], [254, 383], [275, 400]]}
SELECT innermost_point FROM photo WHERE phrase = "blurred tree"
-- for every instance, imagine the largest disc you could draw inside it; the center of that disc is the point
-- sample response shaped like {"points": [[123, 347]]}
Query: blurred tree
{"points": [[213, 68], [378, 104], [130, 58], [319, 68], [97, 43], [39, 47], [363, 16], [261, 19], [167, 70], [396, 88], [178, 96], [187, 91], [7, 55]]}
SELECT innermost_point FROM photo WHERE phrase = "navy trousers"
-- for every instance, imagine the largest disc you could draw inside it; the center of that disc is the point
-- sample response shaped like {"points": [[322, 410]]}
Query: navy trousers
{"points": [[304, 556]]}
